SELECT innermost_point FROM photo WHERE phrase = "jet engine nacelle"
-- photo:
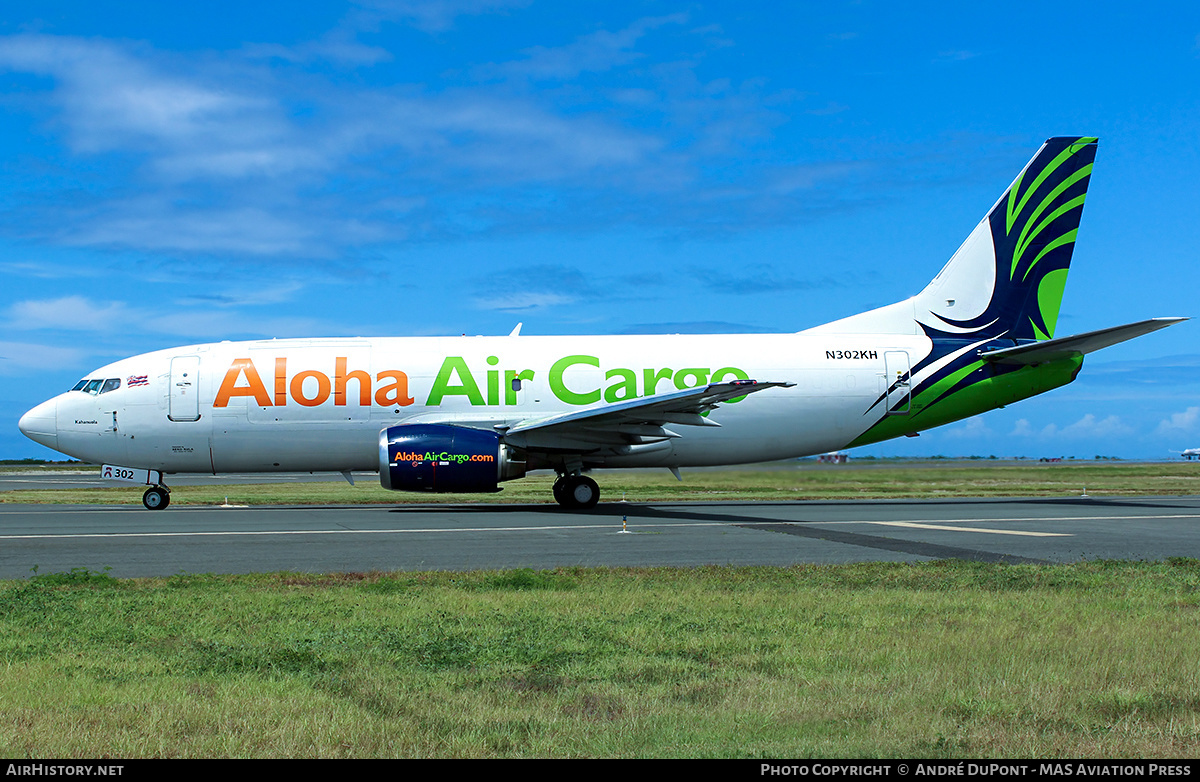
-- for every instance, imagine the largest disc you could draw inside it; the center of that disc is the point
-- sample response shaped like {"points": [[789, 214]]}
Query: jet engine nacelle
{"points": [[445, 458]]}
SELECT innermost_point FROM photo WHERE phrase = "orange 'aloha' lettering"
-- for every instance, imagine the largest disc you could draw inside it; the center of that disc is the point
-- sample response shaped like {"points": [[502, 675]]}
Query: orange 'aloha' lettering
{"points": [[280, 382], [341, 376], [297, 387], [229, 387], [394, 393], [312, 387]]}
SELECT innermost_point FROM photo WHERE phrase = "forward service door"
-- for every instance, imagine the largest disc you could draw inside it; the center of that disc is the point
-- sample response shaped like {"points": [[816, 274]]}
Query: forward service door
{"points": [[185, 389]]}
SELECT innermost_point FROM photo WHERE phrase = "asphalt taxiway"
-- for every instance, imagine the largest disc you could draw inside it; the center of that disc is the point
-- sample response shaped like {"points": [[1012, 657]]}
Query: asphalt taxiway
{"points": [[134, 542], [89, 478]]}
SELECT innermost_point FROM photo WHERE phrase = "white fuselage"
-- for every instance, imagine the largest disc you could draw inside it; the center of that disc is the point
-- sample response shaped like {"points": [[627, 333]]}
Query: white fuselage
{"points": [[319, 404]]}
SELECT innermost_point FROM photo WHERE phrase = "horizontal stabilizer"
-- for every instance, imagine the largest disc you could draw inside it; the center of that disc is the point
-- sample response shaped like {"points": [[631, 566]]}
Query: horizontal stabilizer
{"points": [[1065, 347]]}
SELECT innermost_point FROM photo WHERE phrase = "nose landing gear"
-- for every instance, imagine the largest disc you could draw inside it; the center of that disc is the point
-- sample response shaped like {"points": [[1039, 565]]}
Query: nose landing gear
{"points": [[157, 497]]}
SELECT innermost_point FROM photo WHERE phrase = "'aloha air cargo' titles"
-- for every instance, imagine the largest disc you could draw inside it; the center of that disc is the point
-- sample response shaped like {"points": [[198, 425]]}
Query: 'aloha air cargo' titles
{"points": [[455, 378]]}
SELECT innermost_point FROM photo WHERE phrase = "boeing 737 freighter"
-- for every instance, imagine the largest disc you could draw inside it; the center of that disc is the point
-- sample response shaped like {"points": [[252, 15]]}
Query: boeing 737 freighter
{"points": [[463, 414]]}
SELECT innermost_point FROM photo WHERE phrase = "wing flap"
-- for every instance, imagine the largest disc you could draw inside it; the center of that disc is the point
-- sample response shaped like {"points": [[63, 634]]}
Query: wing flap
{"points": [[634, 421]]}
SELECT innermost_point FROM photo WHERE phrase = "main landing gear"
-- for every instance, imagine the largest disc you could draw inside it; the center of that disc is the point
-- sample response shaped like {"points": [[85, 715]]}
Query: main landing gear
{"points": [[576, 491], [157, 497]]}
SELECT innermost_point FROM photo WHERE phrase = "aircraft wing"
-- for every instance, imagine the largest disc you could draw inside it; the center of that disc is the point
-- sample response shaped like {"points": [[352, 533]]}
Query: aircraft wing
{"points": [[1065, 347], [641, 420]]}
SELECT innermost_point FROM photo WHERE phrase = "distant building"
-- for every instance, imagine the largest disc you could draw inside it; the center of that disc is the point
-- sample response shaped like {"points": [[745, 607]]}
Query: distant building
{"points": [[834, 457]]}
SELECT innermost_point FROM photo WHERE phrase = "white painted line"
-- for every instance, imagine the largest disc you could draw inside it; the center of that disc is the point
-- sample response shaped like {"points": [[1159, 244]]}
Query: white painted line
{"points": [[1140, 517], [384, 507], [45, 482], [266, 533], [930, 524], [948, 528]]}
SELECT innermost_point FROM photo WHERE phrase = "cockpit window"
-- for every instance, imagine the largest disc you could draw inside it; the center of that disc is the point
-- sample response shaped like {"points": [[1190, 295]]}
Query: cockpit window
{"points": [[98, 386]]}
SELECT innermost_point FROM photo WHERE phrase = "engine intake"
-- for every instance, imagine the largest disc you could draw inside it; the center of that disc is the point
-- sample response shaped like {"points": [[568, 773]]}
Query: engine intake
{"points": [[445, 458]]}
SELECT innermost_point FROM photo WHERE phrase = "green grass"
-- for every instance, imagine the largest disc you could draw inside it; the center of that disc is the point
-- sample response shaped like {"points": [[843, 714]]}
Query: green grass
{"points": [[797, 481], [942, 659]]}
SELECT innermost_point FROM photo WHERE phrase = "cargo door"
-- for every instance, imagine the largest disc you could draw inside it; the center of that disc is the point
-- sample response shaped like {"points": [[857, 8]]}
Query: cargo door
{"points": [[899, 382]]}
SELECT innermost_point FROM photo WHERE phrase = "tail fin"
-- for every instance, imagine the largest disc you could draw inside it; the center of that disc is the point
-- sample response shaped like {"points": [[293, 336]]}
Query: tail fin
{"points": [[1008, 277]]}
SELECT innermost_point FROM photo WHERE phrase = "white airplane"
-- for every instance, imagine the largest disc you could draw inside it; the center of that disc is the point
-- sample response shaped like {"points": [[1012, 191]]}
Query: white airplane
{"points": [[1190, 453], [463, 414]]}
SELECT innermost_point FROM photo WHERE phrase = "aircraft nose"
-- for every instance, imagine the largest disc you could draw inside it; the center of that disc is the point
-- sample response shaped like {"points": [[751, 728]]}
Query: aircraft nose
{"points": [[41, 424]]}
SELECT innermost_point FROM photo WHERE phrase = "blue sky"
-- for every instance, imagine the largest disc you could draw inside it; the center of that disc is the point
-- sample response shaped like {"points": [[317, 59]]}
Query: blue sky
{"points": [[188, 172]]}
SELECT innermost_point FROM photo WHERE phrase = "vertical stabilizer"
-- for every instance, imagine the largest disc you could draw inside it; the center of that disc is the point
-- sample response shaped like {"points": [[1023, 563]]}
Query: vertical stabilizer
{"points": [[1008, 277]]}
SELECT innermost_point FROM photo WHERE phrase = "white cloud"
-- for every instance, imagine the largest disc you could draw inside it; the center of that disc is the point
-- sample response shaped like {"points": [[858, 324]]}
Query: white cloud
{"points": [[1180, 423], [211, 317], [268, 150], [116, 98], [217, 324], [339, 45], [433, 16], [228, 155], [974, 427], [529, 300], [20, 357], [596, 52], [512, 137], [955, 55], [1088, 426], [150, 225], [1022, 429], [69, 313]]}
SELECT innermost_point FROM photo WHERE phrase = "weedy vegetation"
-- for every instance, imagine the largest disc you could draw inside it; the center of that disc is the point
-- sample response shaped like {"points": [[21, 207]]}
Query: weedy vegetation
{"points": [[938, 659]]}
